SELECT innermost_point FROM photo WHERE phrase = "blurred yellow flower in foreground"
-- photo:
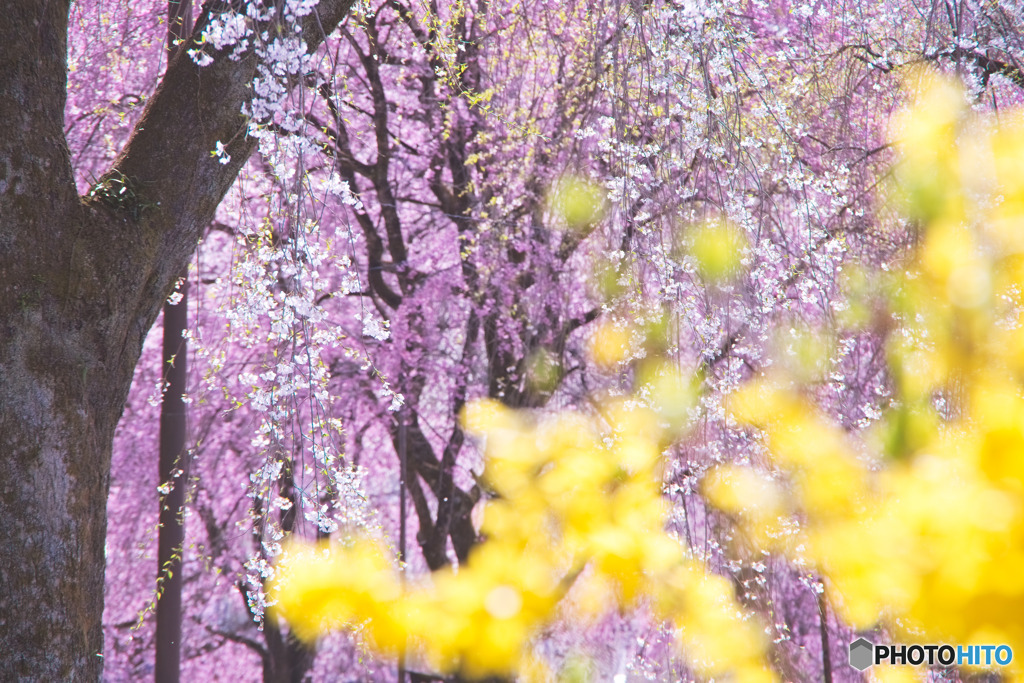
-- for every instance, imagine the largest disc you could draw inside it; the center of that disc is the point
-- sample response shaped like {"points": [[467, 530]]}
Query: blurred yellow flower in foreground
{"points": [[579, 202], [927, 537], [718, 248], [579, 509]]}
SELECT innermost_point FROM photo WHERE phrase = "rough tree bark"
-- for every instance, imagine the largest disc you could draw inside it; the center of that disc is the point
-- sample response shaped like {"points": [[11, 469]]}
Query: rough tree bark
{"points": [[81, 282]]}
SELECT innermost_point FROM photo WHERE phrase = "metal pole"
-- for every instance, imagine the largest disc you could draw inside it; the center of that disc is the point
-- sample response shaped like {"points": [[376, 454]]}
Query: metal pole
{"points": [[173, 465], [402, 474]]}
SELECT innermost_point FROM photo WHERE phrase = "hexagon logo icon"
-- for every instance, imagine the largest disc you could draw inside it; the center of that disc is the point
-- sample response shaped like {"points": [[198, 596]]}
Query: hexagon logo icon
{"points": [[862, 654]]}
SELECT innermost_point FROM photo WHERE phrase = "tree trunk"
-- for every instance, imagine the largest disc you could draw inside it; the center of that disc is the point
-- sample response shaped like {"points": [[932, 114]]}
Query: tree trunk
{"points": [[81, 281]]}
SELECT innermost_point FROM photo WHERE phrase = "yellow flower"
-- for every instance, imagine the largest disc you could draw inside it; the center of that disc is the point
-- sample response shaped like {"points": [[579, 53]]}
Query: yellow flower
{"points": [[610, 344], [579, 202], [718, 248], [327, 586]]}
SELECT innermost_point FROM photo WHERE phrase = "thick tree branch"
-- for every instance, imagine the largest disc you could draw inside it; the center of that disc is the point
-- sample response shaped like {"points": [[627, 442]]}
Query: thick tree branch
{"points": [[35, 165], [168, 159]]}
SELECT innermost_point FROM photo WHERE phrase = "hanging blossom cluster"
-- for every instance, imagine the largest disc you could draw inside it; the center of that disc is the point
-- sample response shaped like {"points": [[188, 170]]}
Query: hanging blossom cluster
{"points": [[274, 35], [794, 259], [236, 30], [278, 310], [274, 305], [348, 510]]}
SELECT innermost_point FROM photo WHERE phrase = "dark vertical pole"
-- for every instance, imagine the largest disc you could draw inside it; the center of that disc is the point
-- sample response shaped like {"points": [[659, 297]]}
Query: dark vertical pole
{"points": [[403, 472], [826, 646], [173, 438]]}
